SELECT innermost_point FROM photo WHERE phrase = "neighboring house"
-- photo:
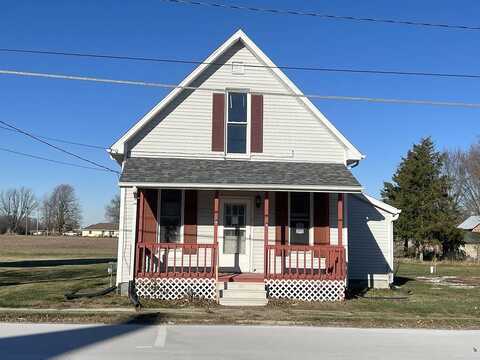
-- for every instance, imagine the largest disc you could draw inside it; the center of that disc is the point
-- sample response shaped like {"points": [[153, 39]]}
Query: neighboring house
{"points": [[471, 224], [101, 230], [235, 186], [471, 227]]}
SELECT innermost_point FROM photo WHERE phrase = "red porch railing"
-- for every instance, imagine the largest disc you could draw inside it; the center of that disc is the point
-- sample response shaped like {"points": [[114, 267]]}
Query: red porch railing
{"points": [[175, 260], [317, 262]]}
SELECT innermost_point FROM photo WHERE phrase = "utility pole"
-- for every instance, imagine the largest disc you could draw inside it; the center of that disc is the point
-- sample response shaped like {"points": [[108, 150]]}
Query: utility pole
{"points": [[38, 214]]}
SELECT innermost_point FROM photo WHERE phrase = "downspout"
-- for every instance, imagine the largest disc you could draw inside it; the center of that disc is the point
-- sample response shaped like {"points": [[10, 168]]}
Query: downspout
{"points": [[354, 164]]}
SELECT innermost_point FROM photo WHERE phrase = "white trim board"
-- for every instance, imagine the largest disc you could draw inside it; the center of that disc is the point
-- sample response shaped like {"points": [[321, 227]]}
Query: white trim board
{"points": [[380, 204], [352, 153], [251, 187]]}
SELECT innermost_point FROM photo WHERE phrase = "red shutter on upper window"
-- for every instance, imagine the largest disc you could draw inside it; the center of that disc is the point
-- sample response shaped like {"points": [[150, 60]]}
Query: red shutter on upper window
{"points": [[218, 122], [147, 216], [321, 219], [256, 128], [281, 219], [190, 219]]}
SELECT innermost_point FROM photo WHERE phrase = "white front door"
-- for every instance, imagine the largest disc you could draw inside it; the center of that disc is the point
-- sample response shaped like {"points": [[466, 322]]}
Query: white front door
{"points": [[234, 239]]}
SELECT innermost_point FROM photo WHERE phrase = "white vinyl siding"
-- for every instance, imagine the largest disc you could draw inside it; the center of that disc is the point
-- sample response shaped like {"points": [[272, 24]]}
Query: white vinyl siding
{"points": [[291, 132], [126, 237], [370, 249]]}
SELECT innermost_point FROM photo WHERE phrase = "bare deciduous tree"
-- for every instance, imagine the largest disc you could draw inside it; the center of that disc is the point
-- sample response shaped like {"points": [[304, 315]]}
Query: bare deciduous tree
{"points": [[112, 210], [463, 168], [16, 205], [47, 214], [61, 210]]}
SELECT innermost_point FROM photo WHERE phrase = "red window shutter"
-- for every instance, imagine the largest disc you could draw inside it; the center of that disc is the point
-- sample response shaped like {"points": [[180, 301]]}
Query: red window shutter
{"points": [[256, 132], [218, 122], [281, 219], [190, 219], [321, 219], [147, 216]]}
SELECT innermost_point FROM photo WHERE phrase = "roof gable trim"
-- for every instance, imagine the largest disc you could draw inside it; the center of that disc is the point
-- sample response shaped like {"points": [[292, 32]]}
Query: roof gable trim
{"points": [[352, 152]]}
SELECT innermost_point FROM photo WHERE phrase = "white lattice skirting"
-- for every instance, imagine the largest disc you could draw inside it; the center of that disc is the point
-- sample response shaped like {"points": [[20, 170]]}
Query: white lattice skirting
{"points": [[306, 290], [175, 288]]}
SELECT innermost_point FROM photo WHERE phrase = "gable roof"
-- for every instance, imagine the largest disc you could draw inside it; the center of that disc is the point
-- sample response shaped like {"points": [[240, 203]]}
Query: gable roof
{"points": [[102, 226], [119, 146], [470, 223]]}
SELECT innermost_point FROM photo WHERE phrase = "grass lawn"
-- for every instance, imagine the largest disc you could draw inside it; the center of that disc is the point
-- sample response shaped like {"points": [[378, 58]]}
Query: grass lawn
{"points": [[18, 247], [422, 300]]}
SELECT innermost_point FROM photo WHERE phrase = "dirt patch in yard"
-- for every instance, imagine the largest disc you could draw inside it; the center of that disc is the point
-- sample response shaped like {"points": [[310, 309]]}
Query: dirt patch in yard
{"points": [[452, 281]]}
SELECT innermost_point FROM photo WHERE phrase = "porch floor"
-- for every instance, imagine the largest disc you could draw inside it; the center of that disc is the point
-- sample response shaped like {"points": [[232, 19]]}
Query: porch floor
{"points": [[242, 277]]}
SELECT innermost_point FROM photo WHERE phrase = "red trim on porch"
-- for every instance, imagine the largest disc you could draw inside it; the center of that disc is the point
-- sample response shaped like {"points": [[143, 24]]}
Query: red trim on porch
{"points": [[243, 277], [317, 262], [266, 210], [190, 217], [216, 208], [172, 260], [340, 219]]}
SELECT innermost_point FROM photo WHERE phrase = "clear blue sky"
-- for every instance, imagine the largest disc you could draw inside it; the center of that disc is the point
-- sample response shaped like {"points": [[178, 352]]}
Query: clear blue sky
{"points": [[99, 114]]}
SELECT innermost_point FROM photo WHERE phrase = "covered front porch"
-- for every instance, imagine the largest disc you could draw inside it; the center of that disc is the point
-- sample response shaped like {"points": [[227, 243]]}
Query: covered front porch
{"points": [[201, 224], [190, 242]]}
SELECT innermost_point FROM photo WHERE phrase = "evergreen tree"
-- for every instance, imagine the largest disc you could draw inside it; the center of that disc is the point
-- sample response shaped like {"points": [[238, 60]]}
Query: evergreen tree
{"points": [[421, 190]]}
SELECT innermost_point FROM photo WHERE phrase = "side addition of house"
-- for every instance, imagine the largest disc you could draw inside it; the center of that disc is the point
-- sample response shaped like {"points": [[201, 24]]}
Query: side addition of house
{"points": [[236, 188]]}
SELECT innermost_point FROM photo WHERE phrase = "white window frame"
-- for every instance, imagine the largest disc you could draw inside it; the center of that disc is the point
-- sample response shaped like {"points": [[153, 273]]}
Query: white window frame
{"points": [[249, 102], [182, 213], [310, 229]]}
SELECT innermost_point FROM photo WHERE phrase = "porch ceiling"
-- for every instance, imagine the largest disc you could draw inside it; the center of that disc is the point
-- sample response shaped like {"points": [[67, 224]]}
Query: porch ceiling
{"points": [[238, 174]]}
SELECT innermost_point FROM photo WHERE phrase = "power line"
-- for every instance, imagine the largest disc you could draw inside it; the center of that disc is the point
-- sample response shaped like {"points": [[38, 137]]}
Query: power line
{"points": [[61, 140], [50, 160], [311, 96], [58, 148], [282, 67], [322, 15]]}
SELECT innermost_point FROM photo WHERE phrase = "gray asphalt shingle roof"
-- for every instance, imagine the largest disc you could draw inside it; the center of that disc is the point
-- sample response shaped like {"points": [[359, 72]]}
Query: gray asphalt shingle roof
{"points": [[237, 172]]}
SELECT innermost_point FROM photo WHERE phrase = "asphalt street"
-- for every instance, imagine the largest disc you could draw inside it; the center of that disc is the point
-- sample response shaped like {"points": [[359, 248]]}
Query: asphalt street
{"points": [[46, 341]]}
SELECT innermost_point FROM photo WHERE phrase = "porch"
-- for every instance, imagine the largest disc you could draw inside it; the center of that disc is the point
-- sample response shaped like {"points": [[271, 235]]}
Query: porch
{"points": [[291, 242]]}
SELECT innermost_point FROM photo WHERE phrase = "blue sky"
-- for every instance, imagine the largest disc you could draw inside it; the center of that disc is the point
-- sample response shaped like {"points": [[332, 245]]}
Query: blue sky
{"points": [[99, 114]]}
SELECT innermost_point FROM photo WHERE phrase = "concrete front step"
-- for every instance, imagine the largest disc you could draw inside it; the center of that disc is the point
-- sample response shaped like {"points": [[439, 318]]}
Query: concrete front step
{"points": [[240, 285], [242, 294], [242, 302]]}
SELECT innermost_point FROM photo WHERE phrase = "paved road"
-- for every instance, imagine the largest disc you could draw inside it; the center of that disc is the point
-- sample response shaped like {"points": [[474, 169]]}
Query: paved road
{"points": [[45, 341]]}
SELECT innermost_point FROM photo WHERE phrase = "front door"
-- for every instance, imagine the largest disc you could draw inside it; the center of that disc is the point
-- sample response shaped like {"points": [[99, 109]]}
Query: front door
{"points": [[234, 241]]}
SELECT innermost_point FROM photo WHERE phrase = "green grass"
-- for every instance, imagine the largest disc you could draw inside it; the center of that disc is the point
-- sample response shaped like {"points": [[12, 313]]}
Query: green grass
{"points": [[425, 304], [19, 247], [45, 286]]}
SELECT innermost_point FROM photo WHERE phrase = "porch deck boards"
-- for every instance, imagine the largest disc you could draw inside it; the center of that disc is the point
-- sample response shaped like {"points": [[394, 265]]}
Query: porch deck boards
{"points": [[242, 277]]}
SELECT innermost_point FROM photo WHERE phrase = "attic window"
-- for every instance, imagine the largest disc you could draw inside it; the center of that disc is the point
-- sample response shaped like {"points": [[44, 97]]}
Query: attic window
{"points": [[238, 68]]}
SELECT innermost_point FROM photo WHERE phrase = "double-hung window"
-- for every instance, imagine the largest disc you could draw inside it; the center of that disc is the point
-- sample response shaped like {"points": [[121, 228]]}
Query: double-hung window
{"points": [[237, 123], [170, 216]]}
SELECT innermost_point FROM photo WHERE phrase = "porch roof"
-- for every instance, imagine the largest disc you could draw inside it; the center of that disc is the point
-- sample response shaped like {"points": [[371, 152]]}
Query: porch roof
{"points": [[237, 174]]}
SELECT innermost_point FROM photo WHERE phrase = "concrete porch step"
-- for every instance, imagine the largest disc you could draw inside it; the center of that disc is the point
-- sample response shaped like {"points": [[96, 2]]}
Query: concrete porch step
{"points": [[240, 286], [242, 302], [242, 294]]}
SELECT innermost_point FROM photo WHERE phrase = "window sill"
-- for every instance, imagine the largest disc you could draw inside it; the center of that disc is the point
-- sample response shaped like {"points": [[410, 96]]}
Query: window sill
{"points": [[237, 157]]}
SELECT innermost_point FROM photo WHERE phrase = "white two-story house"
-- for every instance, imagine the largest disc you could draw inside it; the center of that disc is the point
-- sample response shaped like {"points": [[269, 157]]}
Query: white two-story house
{"points": [[236, 188]]}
